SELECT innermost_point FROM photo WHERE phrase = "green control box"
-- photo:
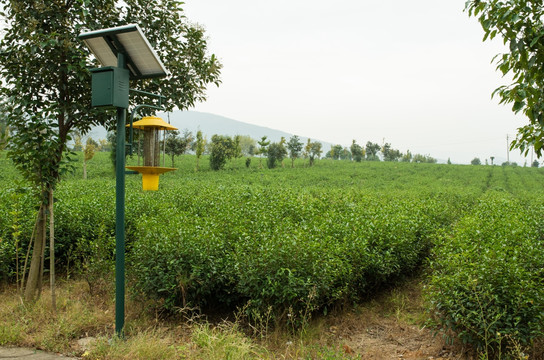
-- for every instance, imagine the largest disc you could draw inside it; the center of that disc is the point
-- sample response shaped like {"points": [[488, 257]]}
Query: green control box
{"points": [[110, 87]]}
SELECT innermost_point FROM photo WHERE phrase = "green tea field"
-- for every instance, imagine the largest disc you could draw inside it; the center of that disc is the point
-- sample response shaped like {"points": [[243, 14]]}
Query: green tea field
{"points": [[289, 242]]}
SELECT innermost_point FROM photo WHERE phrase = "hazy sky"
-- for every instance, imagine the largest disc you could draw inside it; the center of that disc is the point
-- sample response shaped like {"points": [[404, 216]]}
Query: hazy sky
{"points": [[413, 73]]}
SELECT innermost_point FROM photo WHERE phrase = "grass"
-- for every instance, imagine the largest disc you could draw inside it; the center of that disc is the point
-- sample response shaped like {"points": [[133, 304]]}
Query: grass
{"points": [[37, 325], [150, 336]]}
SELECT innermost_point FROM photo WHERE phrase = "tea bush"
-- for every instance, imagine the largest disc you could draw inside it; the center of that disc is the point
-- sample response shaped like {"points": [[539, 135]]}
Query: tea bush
{"points": [[487, 275], [276, 246]]}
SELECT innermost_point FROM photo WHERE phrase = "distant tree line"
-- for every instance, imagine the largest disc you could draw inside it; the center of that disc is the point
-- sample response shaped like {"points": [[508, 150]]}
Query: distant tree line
{"points": [[375, 152], [477, 161], [222, 148]]}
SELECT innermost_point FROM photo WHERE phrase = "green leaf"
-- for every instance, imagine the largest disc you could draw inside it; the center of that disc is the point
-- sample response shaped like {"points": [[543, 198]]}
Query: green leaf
{"points": [[518, 105]]}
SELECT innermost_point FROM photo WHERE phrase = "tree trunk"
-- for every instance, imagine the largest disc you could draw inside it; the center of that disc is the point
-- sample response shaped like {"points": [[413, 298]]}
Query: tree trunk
{"points": [[33, 283], [164, 149], [52, 251], [152, 153], [43, 224]]}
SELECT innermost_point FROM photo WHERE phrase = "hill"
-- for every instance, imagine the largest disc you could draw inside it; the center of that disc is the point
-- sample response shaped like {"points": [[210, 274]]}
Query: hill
{"points": [[211, 124]]}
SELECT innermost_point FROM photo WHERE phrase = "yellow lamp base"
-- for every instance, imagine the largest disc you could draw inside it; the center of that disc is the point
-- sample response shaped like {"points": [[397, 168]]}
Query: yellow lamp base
{"points": [[150, 176], [150, 182]]}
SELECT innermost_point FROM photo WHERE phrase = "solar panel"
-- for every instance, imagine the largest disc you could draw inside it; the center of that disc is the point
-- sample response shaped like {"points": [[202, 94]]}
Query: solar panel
{"points": [[142, 61]]}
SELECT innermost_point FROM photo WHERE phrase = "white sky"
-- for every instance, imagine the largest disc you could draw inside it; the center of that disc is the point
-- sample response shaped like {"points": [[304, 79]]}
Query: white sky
{"points": [[415, 73]]}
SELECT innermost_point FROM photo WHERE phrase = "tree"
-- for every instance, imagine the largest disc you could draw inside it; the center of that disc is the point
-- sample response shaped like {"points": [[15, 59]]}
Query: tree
{"points": [[187, 140], [356, 151], [263, 148], [88, 153], [519, 23], [177, 145], [200, 145], [371, 150], [314, 151], [103, 145], [390, 154], [476, 161], [282, 144], [295, 147], [263, 145], [247, 145], [44, 68], [222, 148], [345, 154], [406, 157], [335, 152], [112, 140], [307, 148], [174, 145], [418, 158], [276, 152], [78, 143], [237, 149]]}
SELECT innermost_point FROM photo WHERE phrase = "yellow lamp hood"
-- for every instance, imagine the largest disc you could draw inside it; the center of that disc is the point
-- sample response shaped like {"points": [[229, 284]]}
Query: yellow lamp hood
{"points": [[149, 122]]}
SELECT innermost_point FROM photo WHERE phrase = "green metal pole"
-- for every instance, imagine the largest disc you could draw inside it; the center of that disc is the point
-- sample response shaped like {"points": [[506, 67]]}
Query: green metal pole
{"points": [[120, 215]]}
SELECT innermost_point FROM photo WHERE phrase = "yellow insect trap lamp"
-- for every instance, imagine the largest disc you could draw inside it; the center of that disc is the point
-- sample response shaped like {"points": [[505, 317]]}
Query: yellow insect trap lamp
{"points": [[151, 126]]}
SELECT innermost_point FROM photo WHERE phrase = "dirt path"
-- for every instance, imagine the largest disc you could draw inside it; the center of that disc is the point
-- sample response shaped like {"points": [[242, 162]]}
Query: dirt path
{"points": [[389, 339], [391, 327]]}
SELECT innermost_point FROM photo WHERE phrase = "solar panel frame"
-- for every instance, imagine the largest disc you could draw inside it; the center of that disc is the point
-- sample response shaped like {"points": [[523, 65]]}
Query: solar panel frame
{"points": [[142, 60]]}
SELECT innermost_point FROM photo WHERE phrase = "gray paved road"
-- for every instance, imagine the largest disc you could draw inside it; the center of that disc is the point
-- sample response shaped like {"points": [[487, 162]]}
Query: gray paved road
{"points": [[29, 354]]}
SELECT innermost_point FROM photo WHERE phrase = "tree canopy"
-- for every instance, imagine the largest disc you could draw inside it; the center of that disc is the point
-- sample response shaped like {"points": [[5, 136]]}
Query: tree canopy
{"points": [[223, 148], [371, 151], [520, 24], [356, 151], [44, 69], [295, 148], [275, 154], [313, 150], [46, 83], [177, 145]]}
